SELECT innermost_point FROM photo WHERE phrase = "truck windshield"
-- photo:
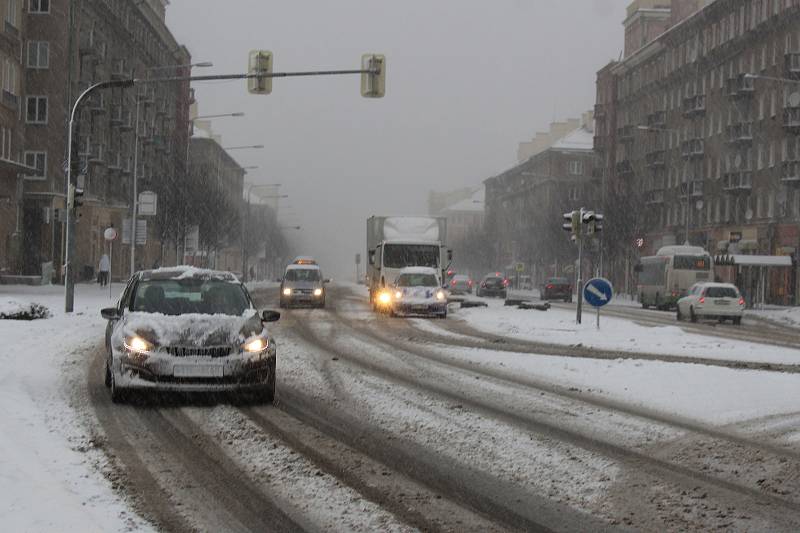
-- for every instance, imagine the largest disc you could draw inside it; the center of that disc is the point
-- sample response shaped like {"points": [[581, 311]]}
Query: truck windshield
{"points": [[405, 255]]}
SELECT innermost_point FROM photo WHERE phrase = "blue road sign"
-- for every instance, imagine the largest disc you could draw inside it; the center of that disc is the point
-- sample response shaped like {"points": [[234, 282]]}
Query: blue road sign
{"points": [[598, 292]]}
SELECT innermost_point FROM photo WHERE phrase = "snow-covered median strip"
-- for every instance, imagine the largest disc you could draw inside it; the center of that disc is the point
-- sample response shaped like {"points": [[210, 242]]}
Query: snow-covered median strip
{"points": [[557, 326], [49, 477]]}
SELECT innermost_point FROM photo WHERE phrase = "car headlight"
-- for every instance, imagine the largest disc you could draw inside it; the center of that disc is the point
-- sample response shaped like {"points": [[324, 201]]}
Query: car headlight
{"points": [[287, 292], [399, 295], [385, 297], [136, 344], [317, 292], [256, 345], [440, 295]]}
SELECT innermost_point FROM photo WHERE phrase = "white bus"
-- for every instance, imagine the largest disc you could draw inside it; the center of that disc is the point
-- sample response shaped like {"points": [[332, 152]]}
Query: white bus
{"points": [[668, 275]]}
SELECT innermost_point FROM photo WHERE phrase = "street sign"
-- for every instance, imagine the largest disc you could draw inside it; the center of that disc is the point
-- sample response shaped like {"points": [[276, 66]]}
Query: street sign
{"points": [[148, 202], [141, 231], [520, 267], [110, 234], [598, 292]]}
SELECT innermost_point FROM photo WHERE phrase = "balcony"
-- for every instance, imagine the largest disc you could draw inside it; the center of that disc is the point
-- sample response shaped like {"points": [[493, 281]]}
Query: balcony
{"points": [[739, 182], [654, 197], [657, 120], [740, 86], [695, 188], [740, 133], [693, 148], [791, 119], [694, 105], [599, 111], [624, 168], [791, 173], [626, 134], [656, 158], [793, 62], [10, 100]]}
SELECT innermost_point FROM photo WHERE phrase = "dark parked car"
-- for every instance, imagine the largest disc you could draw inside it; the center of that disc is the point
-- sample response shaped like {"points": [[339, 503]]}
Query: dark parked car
{"points": [[556, 289], [460, 284], [188, 330], [493, 285]]}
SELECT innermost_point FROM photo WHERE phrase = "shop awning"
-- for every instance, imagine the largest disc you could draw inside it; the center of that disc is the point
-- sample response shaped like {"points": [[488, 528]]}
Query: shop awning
{"points": [[758, 260]]}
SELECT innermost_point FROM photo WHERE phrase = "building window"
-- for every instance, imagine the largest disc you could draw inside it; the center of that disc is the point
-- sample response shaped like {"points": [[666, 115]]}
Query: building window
{"points": [[10, 77], [36, 110], [38, 54], [576, 168], [39, 6], [573, 194], [12, 9], [37, 160]]}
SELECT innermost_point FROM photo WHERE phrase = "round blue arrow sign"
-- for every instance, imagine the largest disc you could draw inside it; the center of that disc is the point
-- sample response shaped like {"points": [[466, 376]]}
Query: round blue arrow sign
{"points": [[598, 292]]}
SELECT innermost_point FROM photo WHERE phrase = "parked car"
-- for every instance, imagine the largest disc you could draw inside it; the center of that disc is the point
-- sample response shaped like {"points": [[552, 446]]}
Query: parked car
{"points": [[493, 285], [186, 329], [303, 285], [556, 289], [418, 291], [460, 284], [721, 301]]}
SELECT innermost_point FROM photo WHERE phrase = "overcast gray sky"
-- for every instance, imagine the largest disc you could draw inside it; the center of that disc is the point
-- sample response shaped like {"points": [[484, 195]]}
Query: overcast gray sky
{"points": [[467, 81]]}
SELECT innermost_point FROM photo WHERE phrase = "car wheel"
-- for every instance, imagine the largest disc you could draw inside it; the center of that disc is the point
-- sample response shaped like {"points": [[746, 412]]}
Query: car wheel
{"points": [[443, 315], [737, 321], [678, 315], [266, 394], [107, 380], [641, 300], [692, 315], [118, 394]]}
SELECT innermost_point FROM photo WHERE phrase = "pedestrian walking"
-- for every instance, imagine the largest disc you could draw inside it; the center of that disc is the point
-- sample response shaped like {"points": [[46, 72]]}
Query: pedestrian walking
{"points": [[105, 267]]}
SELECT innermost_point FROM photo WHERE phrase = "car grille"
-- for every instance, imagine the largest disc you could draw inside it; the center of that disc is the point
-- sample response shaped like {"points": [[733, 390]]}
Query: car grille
{"points": [[199, 351]]}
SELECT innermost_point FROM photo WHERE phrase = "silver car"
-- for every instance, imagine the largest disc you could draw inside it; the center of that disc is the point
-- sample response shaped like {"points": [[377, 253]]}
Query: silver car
{"points": [[303, 285], [185, 329]]}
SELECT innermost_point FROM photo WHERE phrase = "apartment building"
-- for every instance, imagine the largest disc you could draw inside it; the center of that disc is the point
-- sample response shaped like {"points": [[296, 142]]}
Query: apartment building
{"points": [[698, 134], [524, 204], [65, 46]]}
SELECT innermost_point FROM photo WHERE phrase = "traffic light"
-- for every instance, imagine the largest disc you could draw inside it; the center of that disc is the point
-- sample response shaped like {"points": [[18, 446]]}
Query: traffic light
{"points": [[260, 63], [573, 224], [74, 197], [373, 83], [598, 223]]}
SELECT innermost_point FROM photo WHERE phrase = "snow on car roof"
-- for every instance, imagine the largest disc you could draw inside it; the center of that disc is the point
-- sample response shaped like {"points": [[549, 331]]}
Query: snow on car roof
{"points": [[302, 267], [186, 272], [418, 270]]}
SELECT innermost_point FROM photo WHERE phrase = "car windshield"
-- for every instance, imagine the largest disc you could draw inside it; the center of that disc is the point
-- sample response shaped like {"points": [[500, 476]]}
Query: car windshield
{"points": [[191, 295], [558, 281], [722, 292], [417, 280], [403, 255], [302, 274]]}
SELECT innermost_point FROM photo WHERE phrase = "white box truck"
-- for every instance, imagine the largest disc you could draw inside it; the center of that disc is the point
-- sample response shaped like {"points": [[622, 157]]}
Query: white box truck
{"points": [[396, 242]]}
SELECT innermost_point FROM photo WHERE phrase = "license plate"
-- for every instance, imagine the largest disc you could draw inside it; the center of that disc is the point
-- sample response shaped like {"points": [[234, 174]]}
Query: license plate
{"points": [[722, 302], [420, 308], [197, 371]]}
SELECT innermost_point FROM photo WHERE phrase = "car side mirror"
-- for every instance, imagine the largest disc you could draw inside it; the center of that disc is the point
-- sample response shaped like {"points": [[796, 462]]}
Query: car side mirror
{"points": [[449, 255], [327, 280], [279, 280], [270, 316], [110, 313]]}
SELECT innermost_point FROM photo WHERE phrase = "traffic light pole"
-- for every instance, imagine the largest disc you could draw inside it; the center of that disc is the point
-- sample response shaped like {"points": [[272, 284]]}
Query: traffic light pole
{"points": [[69, 268], [580, 280]]}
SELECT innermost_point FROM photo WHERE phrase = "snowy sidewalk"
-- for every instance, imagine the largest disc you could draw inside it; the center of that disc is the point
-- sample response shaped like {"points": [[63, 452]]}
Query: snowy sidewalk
{"points": [[49, 477]]}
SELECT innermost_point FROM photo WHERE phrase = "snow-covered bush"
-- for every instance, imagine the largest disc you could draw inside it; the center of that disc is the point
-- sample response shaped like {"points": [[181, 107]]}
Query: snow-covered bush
{"points": [[18, 311]]}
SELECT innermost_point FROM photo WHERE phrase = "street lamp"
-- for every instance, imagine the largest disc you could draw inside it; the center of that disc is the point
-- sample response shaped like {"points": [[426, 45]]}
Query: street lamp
{"points": [[135, 199]]}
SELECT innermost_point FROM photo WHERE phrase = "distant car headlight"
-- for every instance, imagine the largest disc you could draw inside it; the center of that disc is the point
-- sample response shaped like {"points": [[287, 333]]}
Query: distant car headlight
{"points": [[287, 292], [256, 345], [440, 295], [317, 292], [398, 295], [136, 344]]}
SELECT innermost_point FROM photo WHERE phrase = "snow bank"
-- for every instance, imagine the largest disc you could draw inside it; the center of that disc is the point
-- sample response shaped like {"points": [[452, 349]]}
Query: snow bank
{"points": [[49, 466]]}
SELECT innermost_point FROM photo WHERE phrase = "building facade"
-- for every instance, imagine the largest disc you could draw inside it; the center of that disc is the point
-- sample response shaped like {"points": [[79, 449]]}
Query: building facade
{"points": [[697, 142], [525, 204], [120, 134]]}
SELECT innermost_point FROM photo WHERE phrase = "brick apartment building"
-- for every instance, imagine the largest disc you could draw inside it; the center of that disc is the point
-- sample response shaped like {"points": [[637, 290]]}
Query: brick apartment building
{"points": [[691, 147], [525, 203], [66, 45]]}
